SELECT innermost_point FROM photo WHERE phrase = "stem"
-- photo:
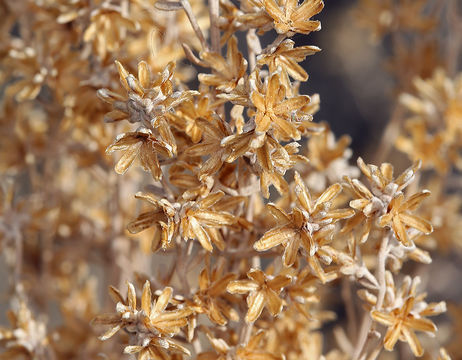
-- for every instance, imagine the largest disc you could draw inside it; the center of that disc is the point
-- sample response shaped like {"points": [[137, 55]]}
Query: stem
{"points": [[246, 332], [192, 19], [214, 11], [367, 320], [254, 48]]}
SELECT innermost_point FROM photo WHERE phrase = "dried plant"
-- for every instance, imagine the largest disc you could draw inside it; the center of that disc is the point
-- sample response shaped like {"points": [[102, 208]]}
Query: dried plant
{"points": [[204, 97]]}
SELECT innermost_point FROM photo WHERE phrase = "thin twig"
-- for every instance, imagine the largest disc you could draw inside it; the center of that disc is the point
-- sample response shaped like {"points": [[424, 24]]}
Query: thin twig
{"points": [[367, 320], [192, 19], [214, 11]]}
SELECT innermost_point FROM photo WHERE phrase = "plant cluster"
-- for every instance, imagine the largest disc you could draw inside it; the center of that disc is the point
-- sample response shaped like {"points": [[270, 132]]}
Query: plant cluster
{"points": [[248, 231]]}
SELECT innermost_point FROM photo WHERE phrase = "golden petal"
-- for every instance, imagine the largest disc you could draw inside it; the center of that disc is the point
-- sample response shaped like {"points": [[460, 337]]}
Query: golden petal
{"points": [[400, 231], [338, 214], [413, 342], [279, 282], [108, 334], [211, 199], [257, 275], [144, 221], [392, 336], [414, 201], [149, 161], [331, 192], [241, 286], [302, 193], [420, 324], [115, 295], [278, 213], [146, 298], [263, 122], [273, 302], [127, 159], [105, 319], [383, 318], [204, 280], [256, 302], [144, 74], [219, 287], [216, 315], [291, 251], [163, 300], [416, 222], [273, 9], [211, 218], [124, 142], [200, 234], [131, 295], [123, 75], [275, 237], [132, 349], [289, 105]]}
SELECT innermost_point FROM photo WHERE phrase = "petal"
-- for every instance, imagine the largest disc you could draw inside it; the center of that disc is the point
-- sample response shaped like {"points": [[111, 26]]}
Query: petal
{"points": [[279, 282], [383, 318], [392, 336], [273, 302], [146, 301], [127, 159], [275, 237], [289, 105], [144, 74], [416, 222], [241, 286], [302, 193], [131, 296], [200, 234], [413, 342], [163, 300], [212, 218], [256, 302], [108, 334], [420, 324]]}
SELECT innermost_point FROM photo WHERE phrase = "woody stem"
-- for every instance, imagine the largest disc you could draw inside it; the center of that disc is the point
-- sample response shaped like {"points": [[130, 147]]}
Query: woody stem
{"points": [[367, 320]]}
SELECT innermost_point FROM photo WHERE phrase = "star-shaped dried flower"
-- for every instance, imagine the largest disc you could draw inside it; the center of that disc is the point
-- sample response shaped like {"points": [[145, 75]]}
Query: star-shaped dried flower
{"points": [[274, 111], [163, 218], [289, 17], [214, 131], [211, 296], [226, 73], [309, 226], [141, 145], [404, 320], [385, 201], [149, 99], [263, 290], [152, 324], [400, 218], [192, 220], [188, 113], [199, 216], [287, 58]]}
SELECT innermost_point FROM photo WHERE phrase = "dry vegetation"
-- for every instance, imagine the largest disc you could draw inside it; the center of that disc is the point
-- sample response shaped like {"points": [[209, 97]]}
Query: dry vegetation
{"points": [[251, 234]]}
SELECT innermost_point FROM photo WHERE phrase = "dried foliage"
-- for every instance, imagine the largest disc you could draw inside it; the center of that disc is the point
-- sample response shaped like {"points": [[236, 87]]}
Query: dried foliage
{"points": [[249, 233]]}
